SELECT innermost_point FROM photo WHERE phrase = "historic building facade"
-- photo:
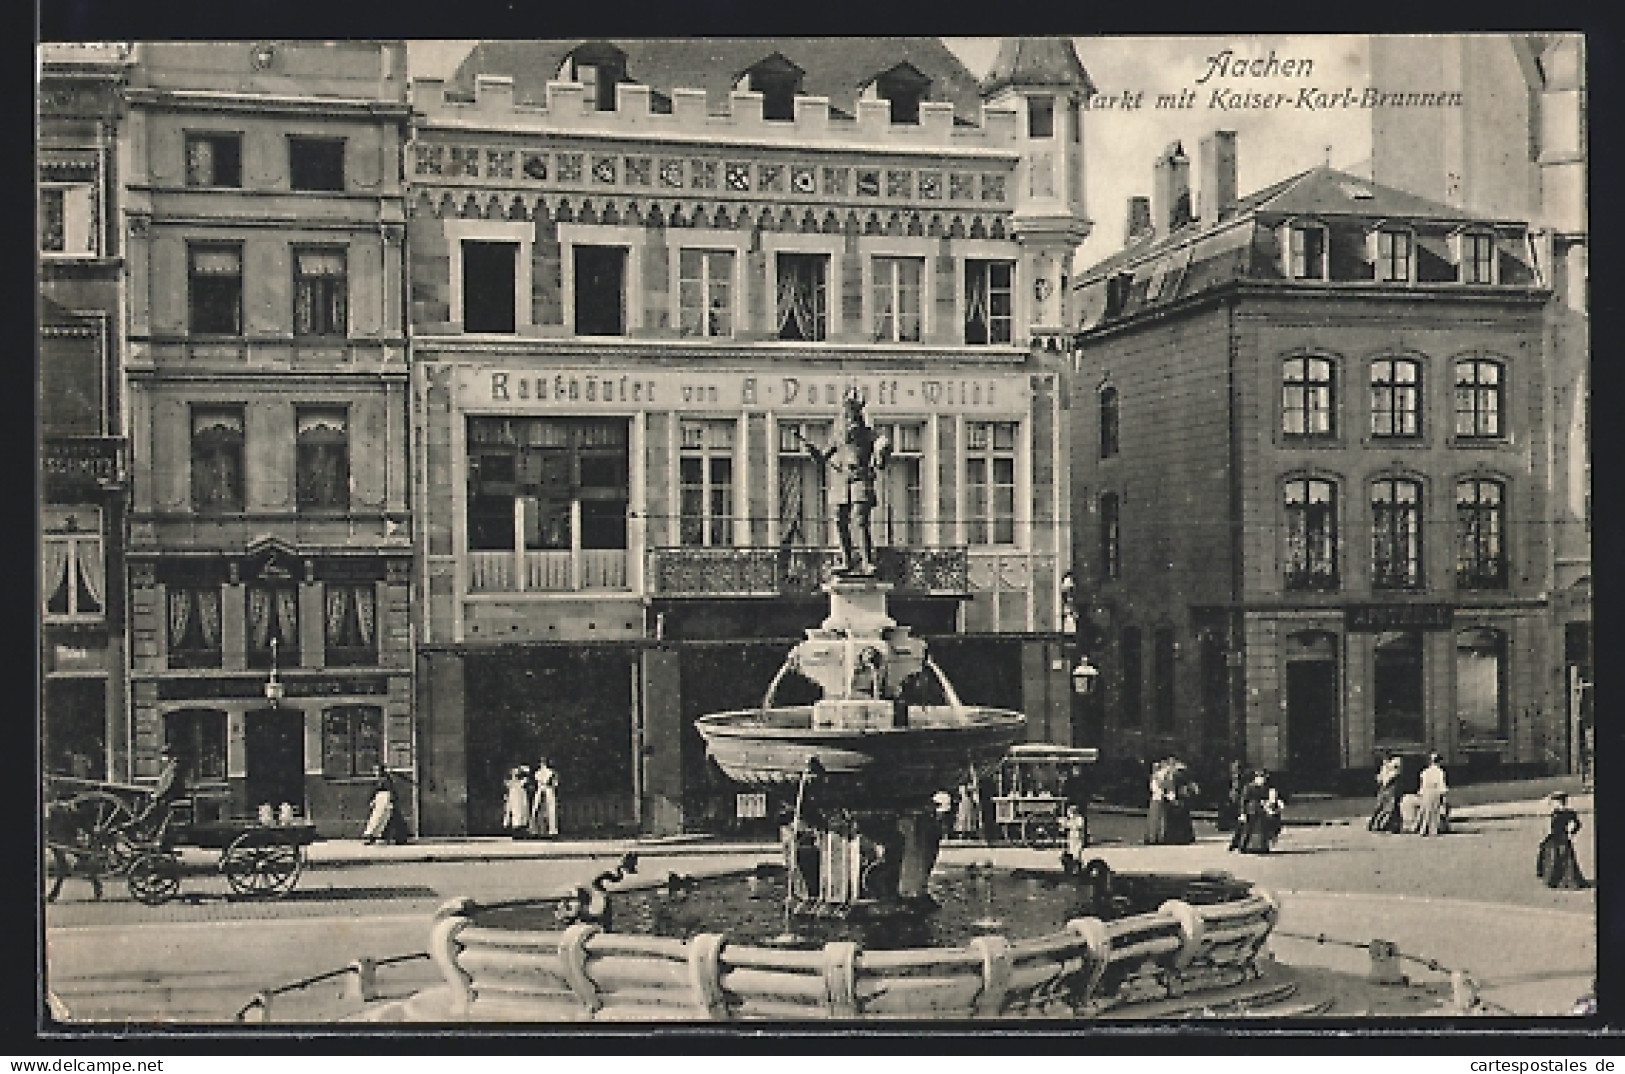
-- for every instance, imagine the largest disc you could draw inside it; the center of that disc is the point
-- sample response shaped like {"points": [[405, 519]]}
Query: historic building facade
{"points": [[642, 276], [267, 389], [81, 599], [1310, 481]]}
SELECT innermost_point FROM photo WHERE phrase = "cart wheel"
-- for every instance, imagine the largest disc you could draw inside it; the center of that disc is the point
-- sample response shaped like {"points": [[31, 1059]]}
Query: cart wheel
{"points": [[106, 820], [154, 879], [261, 865]]}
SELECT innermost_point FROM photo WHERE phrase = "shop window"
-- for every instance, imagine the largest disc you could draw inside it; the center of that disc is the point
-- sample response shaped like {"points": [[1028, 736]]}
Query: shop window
{"points": [[899, 516], [1133, 676], [1162, 679], [600, 290], [1398, 711], [73, 728], [316, 163], [273, 615], [894, 292], [216, 289], [198, 737], [1108, 423], [489, 285], [352, 741], [73, 577], [1396, 534], [1311, 534], [214, 159], [1305, 252], [1478, 399], [1111, 537], [193, 626], [1392, 254], [705, 293], [1396, 398], [990, 482], [1040, 117], [217, 459], [989, 308], [67, 219], [1480, 528], [1308, 398], [1481, 708], [323, 476], [802, 303], [706, 483], [320, 293], [350, 624], [803, 502]]}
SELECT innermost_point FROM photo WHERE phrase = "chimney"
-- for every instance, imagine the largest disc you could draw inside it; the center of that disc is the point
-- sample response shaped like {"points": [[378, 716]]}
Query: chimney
{"points": [[1139, 218], [1171, 189], [1216, 165]]}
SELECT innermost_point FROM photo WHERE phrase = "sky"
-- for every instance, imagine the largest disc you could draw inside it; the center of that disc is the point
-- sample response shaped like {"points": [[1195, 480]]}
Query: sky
{"points": [[1120, 145]]}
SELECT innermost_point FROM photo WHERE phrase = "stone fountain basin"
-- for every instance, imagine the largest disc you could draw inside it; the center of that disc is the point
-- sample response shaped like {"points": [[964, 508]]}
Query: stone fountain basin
{"points": [[771, 748]]}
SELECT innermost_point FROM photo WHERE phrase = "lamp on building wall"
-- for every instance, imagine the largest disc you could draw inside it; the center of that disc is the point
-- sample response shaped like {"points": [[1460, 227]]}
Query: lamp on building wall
{"points": [[274, 689], [1084, 677]]}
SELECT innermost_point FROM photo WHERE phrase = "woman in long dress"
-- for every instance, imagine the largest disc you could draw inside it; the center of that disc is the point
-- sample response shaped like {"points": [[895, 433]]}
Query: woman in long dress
{"points": [[516, 802], [1156, 813], [1556, 862], [384, 821], [1433, 819], [1181, 789], [1385, 817], [1252, 834], [544, 807]]}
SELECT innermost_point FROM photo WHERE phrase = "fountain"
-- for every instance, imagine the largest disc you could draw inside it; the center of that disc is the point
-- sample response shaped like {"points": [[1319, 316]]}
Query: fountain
{"points": [[860, 766]]}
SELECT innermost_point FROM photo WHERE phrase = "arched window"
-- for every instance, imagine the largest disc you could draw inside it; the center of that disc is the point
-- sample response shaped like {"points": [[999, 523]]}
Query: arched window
{"points": [[1480, 685], [1311, 533], [1396, 533], [1396, 397], [1111, 548], [1108, 422], [1478, 399], [1308, 398], [1480, 525]]}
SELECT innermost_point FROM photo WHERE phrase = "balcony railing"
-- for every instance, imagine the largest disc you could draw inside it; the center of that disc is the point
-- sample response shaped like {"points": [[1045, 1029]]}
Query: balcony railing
{"points": [[772, 572], [547, 571]]}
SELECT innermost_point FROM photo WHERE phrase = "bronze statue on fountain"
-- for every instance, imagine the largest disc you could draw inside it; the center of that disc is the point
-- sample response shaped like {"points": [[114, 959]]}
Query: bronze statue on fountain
{"points": [[856, 456]]}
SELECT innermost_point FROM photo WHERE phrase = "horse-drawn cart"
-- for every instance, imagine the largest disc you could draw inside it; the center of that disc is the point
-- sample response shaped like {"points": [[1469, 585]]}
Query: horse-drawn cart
{"points": [[113, 832]]}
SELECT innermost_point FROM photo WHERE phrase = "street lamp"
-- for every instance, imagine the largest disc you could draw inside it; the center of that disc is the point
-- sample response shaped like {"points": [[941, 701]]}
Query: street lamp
{"points": [[273, 686], [1084, 677]]}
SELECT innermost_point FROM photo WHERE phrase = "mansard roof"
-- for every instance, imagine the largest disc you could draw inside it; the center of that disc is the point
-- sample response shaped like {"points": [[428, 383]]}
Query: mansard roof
{"points": [[1037, 61], [835, 67]]}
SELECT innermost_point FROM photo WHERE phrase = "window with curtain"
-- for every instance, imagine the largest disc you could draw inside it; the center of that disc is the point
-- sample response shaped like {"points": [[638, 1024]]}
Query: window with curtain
{"points": [[706, 480], [73, 576], [1396, 397], [350, 624], [193, 626], [352, 741], [705, 293], [217, 459], [894, 294], [1311, 534], [1480, 525], [802, 302], [323, 458], [898, 519], [1481, 665], [803, 498], [216, 289], [273, 613], [990, 482], [1111, 537], [1108, 422], [1396, 533], [1308, 398], [198, 736], [989, 305], [1478, 399], [320, 293], [214, 159]]}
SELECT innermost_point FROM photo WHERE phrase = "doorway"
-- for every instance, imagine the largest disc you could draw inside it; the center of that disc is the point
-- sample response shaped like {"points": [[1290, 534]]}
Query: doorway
{"points": [[1314, 725], [274, 757]]}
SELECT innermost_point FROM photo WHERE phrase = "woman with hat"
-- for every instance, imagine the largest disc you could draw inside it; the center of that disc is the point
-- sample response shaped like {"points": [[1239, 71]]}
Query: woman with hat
{"points": [[1556, 862], [1253, 833], [1434, 818]]}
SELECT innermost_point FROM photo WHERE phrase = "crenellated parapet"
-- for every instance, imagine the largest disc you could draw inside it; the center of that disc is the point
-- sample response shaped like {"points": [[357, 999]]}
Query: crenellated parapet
{"points": [[641, 112]]}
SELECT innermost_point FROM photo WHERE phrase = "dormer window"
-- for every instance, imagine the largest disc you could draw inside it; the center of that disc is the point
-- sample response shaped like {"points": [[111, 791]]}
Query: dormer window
{"points": [[778, 81], [599, 66], [905, 87], [1303, 250], [1391, 253], [1040, 117], [1475, 256]]}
